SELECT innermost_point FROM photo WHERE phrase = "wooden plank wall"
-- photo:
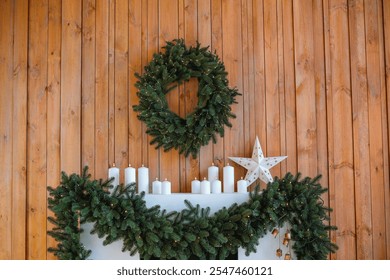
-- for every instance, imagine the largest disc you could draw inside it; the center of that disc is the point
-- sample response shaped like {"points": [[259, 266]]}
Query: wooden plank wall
{"points": [[314, 78]]}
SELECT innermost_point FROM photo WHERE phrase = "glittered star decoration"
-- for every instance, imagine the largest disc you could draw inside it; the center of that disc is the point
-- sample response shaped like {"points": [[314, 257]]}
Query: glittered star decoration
{"points": [[258, 166]]}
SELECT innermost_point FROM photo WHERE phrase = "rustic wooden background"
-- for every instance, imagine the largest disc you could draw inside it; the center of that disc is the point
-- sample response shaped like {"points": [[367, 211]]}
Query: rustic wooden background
{"points": [[314, 77]]}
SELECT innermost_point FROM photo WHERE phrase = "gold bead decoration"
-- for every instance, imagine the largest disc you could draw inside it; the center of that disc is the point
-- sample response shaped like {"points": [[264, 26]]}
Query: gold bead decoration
{"points": [[287, 235], [287, 256], [275, 232], [279, 252], [286, 241]]}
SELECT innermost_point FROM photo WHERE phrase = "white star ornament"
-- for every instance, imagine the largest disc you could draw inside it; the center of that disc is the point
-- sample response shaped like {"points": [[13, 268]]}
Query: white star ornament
{"points": [[258, 166]]}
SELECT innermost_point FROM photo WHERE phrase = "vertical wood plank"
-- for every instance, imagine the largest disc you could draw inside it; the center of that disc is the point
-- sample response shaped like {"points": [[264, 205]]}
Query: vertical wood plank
{"points": [[305, 88], [271, 84], [360, 130], [53, 103], [342, 148], [184, 187], [36, 148], [206, 157], [320, 95], [281, 87], [329, 116], [216, 46], [88, 85], [245, 78], [6, 72], [121, 85], [385, 127], [111, 82], [101, 89], [251, 79], [376, 130], [71, 87], [144, 62], [190, 88], [153, 47], [386, 32], [259, 69], [232, 57], [289, 87], [135, 64], [169, 163], [19, 151]]}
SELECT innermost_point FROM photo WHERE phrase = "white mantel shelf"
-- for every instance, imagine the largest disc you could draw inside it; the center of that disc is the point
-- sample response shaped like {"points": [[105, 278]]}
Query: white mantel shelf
{"points": [[175, 202]]}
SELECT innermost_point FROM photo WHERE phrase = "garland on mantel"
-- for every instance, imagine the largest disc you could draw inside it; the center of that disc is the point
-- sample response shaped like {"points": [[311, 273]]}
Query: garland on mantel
{"points": [[191, 233]]}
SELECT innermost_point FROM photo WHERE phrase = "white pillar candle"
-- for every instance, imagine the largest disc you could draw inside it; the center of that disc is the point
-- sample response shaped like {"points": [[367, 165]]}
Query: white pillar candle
{"points": [[205, 187], [195, 186], [228, 179], [242, 186], [113, 172], [212, 172], [216, 186], [143, 179], [166, 187], [129, 175], [156, 185]]}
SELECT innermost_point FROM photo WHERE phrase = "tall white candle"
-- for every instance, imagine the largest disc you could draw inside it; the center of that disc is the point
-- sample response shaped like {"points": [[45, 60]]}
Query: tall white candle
{"points": [[228, 179], [143, 179], [195, 186], [205, 187], [129, 175], [216, 186], [242, 186], [113, 172], [156, 185], [212, 173], [166, 187]]}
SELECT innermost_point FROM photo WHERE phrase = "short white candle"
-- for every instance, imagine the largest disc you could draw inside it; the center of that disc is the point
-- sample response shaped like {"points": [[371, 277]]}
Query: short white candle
{"points": [[156, 185], [129, 175], [228, 179], [205, 187], [166, 187], [195, 186], [143, 179], [216, 186], [213, 173], [113, 172], [242, 186]]}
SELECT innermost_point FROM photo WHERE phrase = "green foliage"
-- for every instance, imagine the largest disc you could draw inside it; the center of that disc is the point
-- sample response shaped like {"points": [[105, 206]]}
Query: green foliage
{"points": [[191, 233], [168, 70]]}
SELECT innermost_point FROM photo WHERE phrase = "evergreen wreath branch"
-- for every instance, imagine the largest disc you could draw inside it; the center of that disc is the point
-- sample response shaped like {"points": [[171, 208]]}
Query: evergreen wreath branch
{"points": [[192, 232], [165, 72]]}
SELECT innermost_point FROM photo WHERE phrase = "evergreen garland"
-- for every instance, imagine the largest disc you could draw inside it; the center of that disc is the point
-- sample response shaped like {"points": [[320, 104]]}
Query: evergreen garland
{"points": [[191, 233], [168, 70]]}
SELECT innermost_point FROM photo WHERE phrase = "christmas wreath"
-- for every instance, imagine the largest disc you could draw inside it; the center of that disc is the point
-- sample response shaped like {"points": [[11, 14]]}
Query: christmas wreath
{"points": [[168, 70], [191, 233]]}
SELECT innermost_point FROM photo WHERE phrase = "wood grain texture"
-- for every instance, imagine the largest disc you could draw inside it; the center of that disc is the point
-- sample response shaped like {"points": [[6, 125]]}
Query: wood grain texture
{"points": [[375, 117], [342, 132], [71, 53], [88, 66], [101, 90], [19, 147], [53, 103], [36, 143], [386, 32], [314, 78], [305, 87], [121, 86], [361, 131], [6, 71]]}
